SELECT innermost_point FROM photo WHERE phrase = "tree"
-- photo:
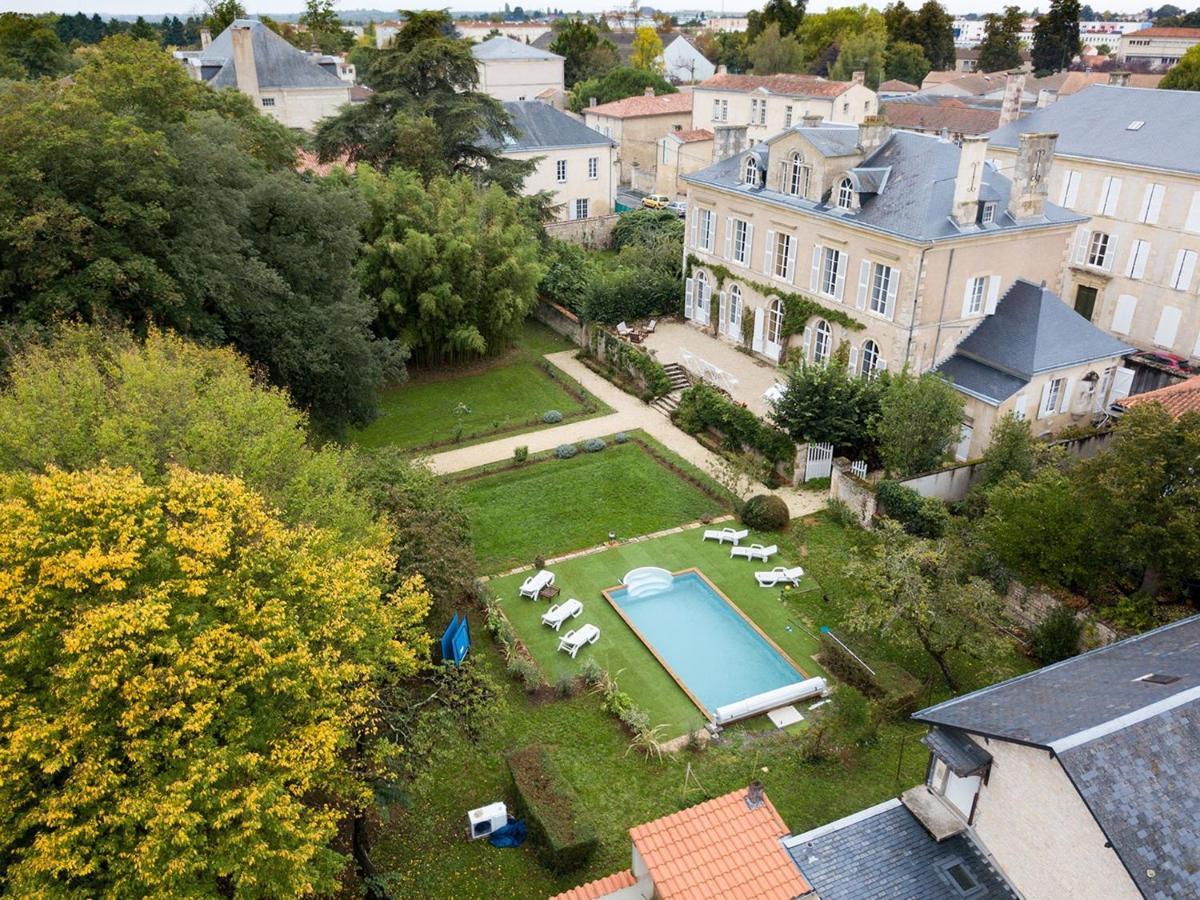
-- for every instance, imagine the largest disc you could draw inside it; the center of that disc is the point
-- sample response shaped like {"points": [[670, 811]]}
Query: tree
{"points": [[324, 28], [935, 33], [725, 48], [1001, 46], [915, 593], [1185, 74], [863, 52], [182, 699], [826, 404], [453, 271], [784, 13], [618, 84], [919, 420], [646, 51], [906, 62], [1010, 452], [771, 53], [221, 14], [1056, 37], [30, 47], [577, 43]]}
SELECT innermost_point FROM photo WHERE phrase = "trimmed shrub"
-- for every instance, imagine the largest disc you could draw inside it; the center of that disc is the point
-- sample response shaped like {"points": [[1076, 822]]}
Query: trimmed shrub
{"points": [[1057, 637], [565, 451], [594, 445], [520, 454], [703, 407], [621, 438], [921, 516], [590, 671], [552, 417], [765, 512], [562, 840], [526, 671]]}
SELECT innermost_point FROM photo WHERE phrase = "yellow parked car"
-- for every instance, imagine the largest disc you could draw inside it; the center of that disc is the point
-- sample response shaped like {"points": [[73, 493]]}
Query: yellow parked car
{"points": [[656, 201]]}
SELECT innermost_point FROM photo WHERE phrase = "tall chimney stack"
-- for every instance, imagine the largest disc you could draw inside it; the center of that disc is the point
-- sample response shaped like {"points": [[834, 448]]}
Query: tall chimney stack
{"points": [[205, 38], [873, 132], [858, 77], [243, 60], [1014, 87], [1118, 78], [811, 120], [728, 140], [1031, 175], [968, 181], [1046, 98]]}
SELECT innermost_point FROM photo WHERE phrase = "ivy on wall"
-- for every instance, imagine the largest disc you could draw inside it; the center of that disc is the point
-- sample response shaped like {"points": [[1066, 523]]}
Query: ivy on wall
{"points": [[797, 308]]}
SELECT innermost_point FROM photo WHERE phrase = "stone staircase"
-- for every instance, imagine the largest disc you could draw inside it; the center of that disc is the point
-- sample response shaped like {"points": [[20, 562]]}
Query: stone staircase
{"points": [[680, 382]]}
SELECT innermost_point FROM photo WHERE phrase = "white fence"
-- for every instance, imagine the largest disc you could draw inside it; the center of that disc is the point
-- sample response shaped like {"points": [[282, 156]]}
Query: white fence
{"points": [[818, 461], [858, 468]]}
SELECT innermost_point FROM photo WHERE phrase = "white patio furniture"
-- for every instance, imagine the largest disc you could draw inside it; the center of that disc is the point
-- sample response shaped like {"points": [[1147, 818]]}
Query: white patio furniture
{"points": [[535, 584], [653, 323], [774, 393], [755, 551], [624, 330], [576, 638], [780, 575], [721, 535], [560, 612]]}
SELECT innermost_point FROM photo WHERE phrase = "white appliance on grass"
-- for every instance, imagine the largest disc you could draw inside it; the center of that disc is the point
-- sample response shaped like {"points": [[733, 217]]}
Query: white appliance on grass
{"points": [[486, 820]]}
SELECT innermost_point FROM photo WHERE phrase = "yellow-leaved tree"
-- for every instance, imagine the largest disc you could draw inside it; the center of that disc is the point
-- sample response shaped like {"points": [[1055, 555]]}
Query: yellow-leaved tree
{"points": [[186, 682]]}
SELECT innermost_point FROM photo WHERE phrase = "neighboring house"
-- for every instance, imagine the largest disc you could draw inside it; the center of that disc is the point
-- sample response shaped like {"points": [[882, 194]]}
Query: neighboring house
{"points": [[1037, 359], [1158, 48], [728, 847], [893, 229], [769, 104], [295, 88], [637, 124], [682, 62], [1078, 778], [576, 166], [513, 70], [525, 32], [681, 153], [945, 114], [966, 59], [1127, 158], [896, 86], [385, 31], [1034, 91], [1177, 399], [726, 23]]}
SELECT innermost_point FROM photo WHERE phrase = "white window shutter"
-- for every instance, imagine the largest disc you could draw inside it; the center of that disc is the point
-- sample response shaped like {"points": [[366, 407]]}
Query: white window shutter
{"points": [[1082, 239], [966, 307], [1110, 195], [1177, 269], [893, 291], [722, 314], [760, 321], [1139, 268], [769, 255], [1042, 410], [1193, 217], [1020, 405], [1103, 198], [808, 333], [1187, 270], [853, 360], [864, 281], [815, 283], [1122, 382], [747, 253], [1123, 314], [689, 288], [790, 275], [881, 365], [1070, 192], [1110, 253], [729, 237], [1168, 327], [695, 227], [1151, 204], [993, 294], [843, 260], [1065, 403]]}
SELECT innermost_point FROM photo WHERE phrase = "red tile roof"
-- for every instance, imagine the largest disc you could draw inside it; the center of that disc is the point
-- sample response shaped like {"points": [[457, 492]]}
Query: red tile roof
{"points": [[1165, 33], [791, 85], [630, 107], [691, 137], [720, 848], [598, 888], [956, 118], [895, 85], [1177, 398]]}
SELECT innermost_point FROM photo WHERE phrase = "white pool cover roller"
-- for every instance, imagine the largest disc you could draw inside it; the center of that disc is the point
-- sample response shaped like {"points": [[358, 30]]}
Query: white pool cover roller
{"points": [[760, 703]]}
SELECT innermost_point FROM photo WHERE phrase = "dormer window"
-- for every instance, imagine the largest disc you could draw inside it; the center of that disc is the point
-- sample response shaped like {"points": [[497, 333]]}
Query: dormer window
{"points": [[845, 194], [798, 175], [750, 175], [988, 214]]}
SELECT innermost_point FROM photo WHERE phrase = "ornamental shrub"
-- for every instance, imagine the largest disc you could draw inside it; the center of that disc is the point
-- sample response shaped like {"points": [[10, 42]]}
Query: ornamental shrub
{"points": [[1057, 637], [703, 407], [621, 438], [520, 454], [765, 512], [526, 671], [921, 516], [552, 417], [594, 445], [563, 841], [565, 451]]}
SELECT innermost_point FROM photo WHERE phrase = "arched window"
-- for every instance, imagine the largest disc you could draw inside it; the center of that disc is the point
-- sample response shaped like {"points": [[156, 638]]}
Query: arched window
{"points": [[751, 173], [775, 322], [868, 363], [798, 176], [701, 296], [822, 342], [845, 194], [733, 319]]}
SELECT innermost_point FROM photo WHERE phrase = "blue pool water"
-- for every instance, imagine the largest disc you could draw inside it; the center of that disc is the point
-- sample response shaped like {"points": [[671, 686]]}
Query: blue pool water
{"points": [[711, 648]]}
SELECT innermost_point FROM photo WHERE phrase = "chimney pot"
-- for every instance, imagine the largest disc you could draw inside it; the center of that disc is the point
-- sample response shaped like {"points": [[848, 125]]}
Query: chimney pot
{"points": [[754, 795], [722, 69], [873, 132], [1046, 98], [205, 38], [1119, 78], [1031, 175], [1014, 88], [592, 101], [969, 179], [810, 120]]}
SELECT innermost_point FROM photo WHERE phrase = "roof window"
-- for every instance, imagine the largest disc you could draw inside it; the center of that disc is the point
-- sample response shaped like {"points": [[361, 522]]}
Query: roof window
{"points": [[1134, 125], [1158, 678], [963, 881]]}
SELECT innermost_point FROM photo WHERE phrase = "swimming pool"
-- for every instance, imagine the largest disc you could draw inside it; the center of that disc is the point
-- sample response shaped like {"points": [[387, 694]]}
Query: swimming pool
{"points": [[706, 643]]}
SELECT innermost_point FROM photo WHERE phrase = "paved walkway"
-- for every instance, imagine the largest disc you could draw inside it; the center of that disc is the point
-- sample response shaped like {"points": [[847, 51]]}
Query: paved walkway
{"points": [[629, 414]]}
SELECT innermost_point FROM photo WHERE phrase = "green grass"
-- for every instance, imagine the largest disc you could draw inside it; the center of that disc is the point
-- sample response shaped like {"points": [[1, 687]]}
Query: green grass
{"points": [[506, 395], [558, 505], [619, 650]]}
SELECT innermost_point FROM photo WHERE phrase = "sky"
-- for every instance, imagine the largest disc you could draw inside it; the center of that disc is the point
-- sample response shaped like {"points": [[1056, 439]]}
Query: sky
{"points": [[156, 8]]}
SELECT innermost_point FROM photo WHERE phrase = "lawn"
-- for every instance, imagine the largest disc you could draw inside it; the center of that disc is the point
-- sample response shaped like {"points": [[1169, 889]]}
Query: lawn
{"points": [[553, 506], [507, 395], [619, 650]]}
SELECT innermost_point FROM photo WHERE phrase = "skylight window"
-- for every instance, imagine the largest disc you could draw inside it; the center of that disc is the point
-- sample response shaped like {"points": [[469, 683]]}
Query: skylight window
{"points": [[1134, 125], [956, 874], [1158, 678]]}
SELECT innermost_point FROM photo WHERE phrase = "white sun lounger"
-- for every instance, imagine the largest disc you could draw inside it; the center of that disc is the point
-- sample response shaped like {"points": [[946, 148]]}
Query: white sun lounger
{"points": [[754, 551], [578, 637], [560, 612], [778, 575], [533, 585], [624, 330], [721, 535]]}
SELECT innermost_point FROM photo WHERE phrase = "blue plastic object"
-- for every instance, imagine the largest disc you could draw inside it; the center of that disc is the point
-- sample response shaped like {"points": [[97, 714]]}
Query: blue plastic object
{"points": [[511, 835], [456, 641]]}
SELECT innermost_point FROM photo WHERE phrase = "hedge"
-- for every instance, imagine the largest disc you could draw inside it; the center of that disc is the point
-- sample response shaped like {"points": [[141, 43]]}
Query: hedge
{"points": [[632, 361], [921, 516], [563, 841], [703, 407]]}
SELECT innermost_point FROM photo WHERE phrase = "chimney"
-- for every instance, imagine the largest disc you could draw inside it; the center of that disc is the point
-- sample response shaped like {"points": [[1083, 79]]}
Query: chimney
{"points": [[971, 157], [205, 38], [754, 795], [1046, 98], [592, 101], [810, 120], [728, 140], [1031, 175], [873, 132], [722, 69], [243, 60], [859, 77], [1014, 87], [1118, 78], [649, 92]]}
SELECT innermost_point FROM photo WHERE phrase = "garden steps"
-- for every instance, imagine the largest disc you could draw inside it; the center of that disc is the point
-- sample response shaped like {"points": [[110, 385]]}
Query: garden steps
{"points": [[668, 403], [679, 377]]}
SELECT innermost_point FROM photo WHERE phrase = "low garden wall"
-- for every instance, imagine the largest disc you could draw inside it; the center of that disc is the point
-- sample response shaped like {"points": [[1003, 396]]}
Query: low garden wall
{"points": [[629, 361], [1029, 607], [591, 234], [561, 320], [855, 492]]}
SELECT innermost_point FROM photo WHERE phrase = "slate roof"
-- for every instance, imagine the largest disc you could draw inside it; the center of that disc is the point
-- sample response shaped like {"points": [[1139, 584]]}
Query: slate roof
{"points": [[981, 381], [1032, 331], [539, 126], [622, 40], [1177, 398], [884, 852], [641, 105], [279, 65], [956, 749], [720, 848], [918, 198], [501, 47], [957, 118], [784, 85], [1093, 124]]}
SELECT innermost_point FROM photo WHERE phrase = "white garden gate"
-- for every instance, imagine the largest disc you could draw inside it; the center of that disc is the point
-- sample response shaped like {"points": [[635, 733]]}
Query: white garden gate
{"points": [[858, 468], [818, 461]]}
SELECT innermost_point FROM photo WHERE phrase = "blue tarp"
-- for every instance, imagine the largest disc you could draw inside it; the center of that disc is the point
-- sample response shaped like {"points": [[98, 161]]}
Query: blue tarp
{"points": [[511, 835], [456, 640]]}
